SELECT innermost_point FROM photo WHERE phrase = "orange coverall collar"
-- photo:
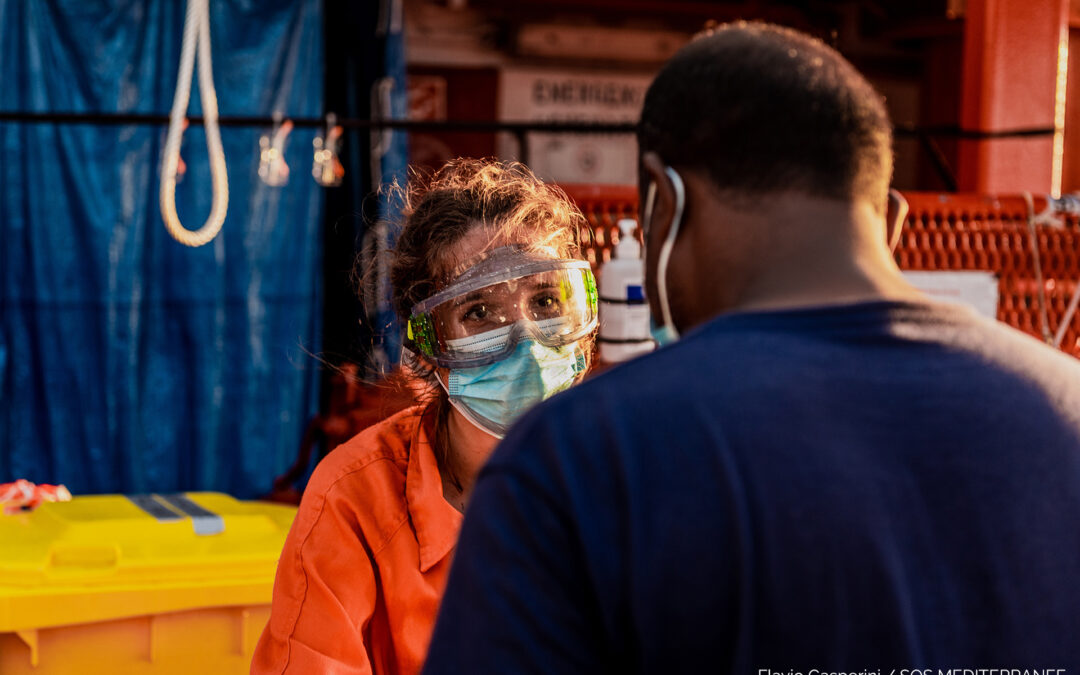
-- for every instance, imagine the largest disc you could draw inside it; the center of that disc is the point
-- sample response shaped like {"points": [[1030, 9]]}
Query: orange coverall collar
{"points": [[434, 520]]}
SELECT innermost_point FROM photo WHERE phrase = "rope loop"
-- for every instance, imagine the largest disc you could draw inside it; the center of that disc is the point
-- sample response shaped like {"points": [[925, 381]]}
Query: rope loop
{"points": [[196, 35]]}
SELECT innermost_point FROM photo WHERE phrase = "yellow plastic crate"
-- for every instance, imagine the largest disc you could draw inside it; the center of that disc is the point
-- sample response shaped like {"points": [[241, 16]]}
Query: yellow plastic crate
{"points": [[144, 584]]}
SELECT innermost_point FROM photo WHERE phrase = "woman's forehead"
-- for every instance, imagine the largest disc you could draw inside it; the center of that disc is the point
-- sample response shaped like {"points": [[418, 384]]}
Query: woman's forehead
{"points": [[475, 246]]}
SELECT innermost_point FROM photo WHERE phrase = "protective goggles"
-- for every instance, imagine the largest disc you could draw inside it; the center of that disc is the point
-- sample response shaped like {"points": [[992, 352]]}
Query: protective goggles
{"points": [[482, 315]]}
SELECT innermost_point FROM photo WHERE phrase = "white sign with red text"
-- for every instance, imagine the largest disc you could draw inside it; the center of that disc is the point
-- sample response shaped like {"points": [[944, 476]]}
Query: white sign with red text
{"points": [[973, 288]]}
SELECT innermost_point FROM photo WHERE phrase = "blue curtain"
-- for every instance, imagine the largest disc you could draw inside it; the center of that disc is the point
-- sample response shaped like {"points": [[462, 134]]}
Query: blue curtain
{"points": [[393, 164], [130, 363]]}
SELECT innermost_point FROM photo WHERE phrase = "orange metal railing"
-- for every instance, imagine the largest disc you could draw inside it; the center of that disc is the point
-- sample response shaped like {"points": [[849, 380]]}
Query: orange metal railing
{"points": [[942, 232]]}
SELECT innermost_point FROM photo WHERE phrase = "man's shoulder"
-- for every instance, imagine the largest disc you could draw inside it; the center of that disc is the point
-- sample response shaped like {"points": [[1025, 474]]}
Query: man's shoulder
{"points": [[1007, 350], [645, 392], [731, 360], [679, 367]]}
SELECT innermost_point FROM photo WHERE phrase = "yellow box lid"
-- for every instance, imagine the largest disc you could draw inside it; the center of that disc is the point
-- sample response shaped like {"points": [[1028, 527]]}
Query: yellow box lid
{"points": [[103, 557]]}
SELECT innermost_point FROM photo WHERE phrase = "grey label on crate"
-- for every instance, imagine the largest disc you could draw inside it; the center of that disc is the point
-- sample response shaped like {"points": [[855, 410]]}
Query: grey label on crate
{"points": [[170, 508], [204, 521], [155, 508]]}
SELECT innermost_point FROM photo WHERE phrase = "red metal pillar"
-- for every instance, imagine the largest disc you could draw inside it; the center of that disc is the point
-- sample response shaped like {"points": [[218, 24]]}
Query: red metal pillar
{"points": [[1011, 80]]}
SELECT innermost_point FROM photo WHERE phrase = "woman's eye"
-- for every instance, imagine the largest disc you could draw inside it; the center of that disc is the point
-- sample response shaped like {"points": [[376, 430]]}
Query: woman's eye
{"points": [[476, 313], [547, 303]]}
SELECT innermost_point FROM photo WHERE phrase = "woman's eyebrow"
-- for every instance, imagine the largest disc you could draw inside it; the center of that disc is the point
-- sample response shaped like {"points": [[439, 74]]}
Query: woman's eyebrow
{"points": [[480, 295], [471, 297]]}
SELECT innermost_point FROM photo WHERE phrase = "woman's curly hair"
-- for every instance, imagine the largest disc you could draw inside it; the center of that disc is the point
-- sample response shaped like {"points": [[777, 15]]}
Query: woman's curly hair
{"points": [[439, 210]]}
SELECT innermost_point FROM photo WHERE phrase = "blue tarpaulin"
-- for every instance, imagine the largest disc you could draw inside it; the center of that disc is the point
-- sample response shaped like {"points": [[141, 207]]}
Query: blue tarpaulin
{"points": [[128, 362], [393, 150]]}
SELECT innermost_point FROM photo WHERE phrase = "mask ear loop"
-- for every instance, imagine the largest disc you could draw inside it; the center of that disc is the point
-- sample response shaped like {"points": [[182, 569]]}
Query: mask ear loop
{"points": [[465, 412], [445, 386], [650, 200], [668, 245]]}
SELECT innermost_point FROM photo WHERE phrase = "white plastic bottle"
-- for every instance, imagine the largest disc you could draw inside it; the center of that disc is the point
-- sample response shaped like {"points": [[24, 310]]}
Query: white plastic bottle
{"points": [[624, 313]]}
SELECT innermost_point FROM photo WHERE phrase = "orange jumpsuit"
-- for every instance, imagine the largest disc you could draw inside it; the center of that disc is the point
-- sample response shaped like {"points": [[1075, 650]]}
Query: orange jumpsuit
{"points": [[364, 566]]}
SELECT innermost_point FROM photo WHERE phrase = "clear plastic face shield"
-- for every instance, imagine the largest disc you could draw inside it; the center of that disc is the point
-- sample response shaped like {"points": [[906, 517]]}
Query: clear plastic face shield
{"points": [[511, 295]]}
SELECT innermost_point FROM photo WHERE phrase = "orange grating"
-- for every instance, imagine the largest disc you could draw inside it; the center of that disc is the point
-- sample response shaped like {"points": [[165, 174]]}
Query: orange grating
{"points": [[603, 206], [942, 232]]}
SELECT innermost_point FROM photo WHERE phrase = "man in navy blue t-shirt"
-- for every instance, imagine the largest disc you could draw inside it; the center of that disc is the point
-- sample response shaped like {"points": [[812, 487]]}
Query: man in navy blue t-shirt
{"points": [[826, 473]]}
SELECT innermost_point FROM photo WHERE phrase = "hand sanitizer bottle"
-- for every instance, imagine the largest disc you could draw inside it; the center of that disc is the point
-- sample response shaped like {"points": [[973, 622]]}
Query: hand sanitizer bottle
{"points": [[624, 313]]}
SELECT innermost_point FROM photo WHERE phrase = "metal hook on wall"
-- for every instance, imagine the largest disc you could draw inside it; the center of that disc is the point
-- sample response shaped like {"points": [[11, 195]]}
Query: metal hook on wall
{"points": [[326, 167], [272, 167]]}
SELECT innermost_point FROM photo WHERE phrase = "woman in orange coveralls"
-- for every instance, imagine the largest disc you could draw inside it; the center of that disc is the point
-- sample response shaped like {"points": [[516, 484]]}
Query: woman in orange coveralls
{"points": [[499, 312]]}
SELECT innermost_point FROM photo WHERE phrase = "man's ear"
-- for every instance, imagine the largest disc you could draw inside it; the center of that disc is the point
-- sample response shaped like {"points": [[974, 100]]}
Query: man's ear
{"points": [[895, 214], [663, 201], [655, 218]]}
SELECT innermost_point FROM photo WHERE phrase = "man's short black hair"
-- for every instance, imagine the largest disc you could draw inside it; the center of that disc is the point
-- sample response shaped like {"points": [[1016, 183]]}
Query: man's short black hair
{"points": [[764, 109]]}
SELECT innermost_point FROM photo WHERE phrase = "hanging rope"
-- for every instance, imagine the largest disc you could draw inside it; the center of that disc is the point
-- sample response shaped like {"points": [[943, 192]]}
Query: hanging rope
{"points": [[196, 33], [1067, 317], [1044, 321]]}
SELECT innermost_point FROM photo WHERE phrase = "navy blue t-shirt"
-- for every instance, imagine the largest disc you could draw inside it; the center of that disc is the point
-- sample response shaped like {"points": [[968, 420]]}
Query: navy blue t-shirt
{"points": [[853, 488]]}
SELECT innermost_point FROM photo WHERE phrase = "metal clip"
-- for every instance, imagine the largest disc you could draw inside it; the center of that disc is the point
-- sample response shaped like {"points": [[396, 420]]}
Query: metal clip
{"points": [[1068, 203], [272, 167], [327, 168]]}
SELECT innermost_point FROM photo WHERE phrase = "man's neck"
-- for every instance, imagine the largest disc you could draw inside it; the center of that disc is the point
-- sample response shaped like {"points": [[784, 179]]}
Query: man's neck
{"points": [[811, 252]]}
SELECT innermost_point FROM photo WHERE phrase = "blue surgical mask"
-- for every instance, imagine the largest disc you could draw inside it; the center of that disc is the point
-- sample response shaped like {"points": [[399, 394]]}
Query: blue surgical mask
{"points": [[662, 334], [493, 396], [665, 332]]}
